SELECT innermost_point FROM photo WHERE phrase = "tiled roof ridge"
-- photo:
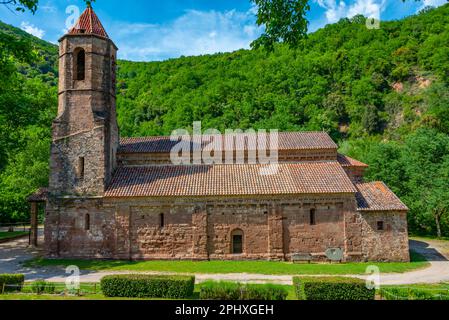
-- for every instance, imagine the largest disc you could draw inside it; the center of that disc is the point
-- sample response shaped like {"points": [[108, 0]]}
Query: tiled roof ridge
{"points": [[346, 161], [40, 195], [89, 23], [222, 134], [149, 165], [310, 140], [377, 196]]}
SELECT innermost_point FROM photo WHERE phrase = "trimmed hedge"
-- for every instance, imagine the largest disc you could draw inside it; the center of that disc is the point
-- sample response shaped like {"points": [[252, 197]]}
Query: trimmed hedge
{"points": [[212, 290], [332, 288], [12, 282], [147, 286], [42, 286]]}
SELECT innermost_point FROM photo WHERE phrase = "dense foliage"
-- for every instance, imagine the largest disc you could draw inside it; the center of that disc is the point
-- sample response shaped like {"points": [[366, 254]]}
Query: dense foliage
{"points": [[147, 286], [382, 94], [332, 288], [28, 103], [212, 290], [11, 282]]}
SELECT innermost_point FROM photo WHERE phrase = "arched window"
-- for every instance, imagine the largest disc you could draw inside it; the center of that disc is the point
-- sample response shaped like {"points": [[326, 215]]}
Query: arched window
{"points": [[237, 241], [161, 220], [80, 64], [312, 217], [87, 222]]}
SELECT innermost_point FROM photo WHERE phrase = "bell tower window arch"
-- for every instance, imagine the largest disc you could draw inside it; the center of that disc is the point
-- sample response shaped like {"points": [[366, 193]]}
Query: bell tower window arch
{"points": [[79, 65]]}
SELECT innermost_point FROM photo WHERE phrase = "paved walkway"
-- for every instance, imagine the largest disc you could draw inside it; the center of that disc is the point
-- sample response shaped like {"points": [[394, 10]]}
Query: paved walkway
{"points": [[13, 254]]}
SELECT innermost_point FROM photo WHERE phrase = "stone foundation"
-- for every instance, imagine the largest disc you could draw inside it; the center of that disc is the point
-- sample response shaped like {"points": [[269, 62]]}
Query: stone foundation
{"points": [[273, 229]]}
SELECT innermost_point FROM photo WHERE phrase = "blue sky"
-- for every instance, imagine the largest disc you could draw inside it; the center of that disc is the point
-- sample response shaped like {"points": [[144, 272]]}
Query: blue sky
{"points": [[147, 30]]}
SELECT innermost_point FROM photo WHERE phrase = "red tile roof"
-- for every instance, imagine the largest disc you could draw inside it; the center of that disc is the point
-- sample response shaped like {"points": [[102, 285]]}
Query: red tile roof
{"points": [[346, 161], [376, 196], [287, 141], [40, 195], [88, 23], [229, 180]]}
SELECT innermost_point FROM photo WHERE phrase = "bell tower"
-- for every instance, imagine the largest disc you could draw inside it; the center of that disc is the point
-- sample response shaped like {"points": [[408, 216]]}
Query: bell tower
{"points": [[85, 132]]}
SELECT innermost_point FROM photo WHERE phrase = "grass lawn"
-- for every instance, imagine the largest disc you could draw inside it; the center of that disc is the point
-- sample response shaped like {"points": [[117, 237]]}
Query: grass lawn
{"points": [[424, 286], [214, 267], [30, 296], [11, 235]]}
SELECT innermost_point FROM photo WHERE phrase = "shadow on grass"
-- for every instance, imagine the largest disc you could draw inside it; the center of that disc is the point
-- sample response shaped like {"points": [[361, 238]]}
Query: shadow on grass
{"points": [[427, 253]]}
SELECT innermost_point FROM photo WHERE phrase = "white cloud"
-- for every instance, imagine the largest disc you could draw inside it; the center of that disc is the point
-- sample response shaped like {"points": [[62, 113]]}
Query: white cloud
{"points": [[338, 9], [31, 29], [193, 33], [432, 3], [368, 8], [334, 10]]}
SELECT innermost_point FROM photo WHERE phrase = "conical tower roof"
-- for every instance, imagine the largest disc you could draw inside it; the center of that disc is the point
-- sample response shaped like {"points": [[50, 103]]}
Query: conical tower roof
{"points": [[88, 23]]}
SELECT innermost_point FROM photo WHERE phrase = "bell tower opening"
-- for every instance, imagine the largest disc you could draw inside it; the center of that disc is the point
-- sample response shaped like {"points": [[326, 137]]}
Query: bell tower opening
{"points": [[80, 64]]}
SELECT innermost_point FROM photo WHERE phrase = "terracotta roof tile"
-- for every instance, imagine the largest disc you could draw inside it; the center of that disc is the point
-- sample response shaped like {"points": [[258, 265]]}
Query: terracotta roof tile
{"points": [[376, 196], [88, 23], [39, 196], [346, 161], [228, 180], [287, 141]]}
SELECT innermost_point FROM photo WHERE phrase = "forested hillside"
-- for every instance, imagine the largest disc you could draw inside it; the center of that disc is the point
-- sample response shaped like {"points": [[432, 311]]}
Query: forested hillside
{"points": [[382, 94]]}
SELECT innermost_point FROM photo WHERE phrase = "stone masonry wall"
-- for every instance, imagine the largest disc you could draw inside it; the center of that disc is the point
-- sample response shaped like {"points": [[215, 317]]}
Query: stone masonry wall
{"points": [[272, 229], [68, 236], [65, 153], [390, 244], [86, 127]]}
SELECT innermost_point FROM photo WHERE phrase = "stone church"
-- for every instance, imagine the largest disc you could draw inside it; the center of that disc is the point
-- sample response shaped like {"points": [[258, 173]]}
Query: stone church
{"points": [[112, 198]]}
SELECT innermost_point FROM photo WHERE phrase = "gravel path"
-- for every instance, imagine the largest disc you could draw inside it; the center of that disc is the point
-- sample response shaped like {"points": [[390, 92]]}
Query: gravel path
{"points": [[14, 253]]}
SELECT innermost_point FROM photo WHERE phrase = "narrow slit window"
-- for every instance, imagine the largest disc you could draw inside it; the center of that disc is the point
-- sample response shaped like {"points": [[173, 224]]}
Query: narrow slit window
{"points": [[161, 220], [380, 225], [87, 222], [312, 217], [80, 170], [237, 242], [113, 72], [80, 71]]}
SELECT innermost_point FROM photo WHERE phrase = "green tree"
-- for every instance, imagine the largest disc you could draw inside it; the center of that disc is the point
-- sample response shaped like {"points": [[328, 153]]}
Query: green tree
{"points": [[284, 20], [371, 119]]}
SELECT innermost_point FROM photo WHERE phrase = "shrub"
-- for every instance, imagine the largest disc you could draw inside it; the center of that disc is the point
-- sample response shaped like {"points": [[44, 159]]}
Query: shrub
{"points": [[332, 288], [11, 282], [264, 292], [42, 286], [212, 290], [413, 294], [147, 286]]}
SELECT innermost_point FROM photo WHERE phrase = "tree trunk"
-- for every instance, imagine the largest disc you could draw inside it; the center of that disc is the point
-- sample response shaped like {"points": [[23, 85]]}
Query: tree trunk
{"points": [[437, 221]]}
